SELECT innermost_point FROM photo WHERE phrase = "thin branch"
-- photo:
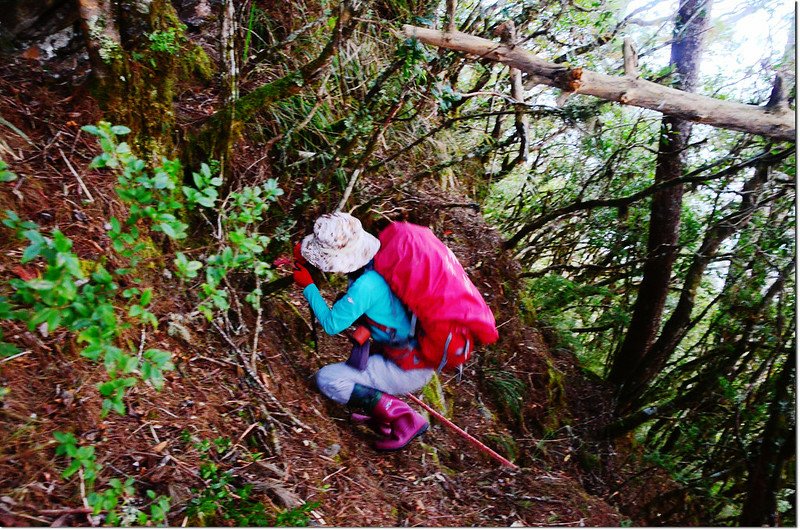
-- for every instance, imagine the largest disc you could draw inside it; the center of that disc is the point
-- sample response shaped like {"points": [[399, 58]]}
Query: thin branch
{"points": [[693, 177]]}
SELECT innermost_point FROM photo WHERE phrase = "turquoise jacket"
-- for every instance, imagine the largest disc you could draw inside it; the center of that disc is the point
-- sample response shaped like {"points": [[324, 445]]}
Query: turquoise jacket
{"points": [[369, 295]]}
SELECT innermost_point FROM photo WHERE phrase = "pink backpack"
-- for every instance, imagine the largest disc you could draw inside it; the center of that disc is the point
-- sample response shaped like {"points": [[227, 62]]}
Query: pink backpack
{"points": [[451, 314]]}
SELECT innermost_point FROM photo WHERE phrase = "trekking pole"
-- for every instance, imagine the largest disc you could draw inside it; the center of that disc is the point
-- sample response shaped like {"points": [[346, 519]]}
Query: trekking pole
{"points": [[474, 441]]}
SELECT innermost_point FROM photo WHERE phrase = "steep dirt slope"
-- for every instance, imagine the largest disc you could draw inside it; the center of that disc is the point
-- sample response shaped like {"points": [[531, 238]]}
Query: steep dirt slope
{"points": [[308, 450]]}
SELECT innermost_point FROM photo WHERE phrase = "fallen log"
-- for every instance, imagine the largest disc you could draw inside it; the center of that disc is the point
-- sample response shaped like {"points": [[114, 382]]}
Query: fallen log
{"points": [[774, 121]]}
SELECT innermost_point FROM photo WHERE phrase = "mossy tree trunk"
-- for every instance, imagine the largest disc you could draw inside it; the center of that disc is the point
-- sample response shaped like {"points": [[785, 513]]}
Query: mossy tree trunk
{"points": [[138, 50], [207, 143]]}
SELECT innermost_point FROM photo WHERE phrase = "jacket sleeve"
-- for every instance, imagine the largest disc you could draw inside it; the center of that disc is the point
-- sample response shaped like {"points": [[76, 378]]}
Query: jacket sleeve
{"points": [[344, 312]]}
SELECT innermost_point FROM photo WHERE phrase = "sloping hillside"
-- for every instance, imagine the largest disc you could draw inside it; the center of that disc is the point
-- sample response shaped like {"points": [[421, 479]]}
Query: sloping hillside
{"points": [[277, 434]]}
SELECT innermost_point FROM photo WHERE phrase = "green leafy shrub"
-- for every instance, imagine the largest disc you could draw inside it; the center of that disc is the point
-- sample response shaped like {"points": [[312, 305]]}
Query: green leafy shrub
{"points": [[67, 296], [167, 41], [241, 246], [116, 500], [222, 503]]}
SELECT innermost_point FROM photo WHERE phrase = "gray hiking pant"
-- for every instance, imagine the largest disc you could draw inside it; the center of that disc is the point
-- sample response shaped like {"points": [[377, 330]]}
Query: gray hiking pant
{"points": [[336, 381]]}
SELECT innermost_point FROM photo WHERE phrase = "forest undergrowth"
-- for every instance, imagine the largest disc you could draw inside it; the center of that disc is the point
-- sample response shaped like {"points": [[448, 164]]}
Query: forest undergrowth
{"points": [[210, 429], [156, 362]]}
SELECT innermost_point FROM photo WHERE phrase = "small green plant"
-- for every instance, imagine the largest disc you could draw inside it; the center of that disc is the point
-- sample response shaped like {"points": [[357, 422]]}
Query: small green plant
{"points": [[5, 174], [295, 516], [80, 457], [241, 247], [154, 196], [166, 41], [508, 391], [223, 503], [205, 191], [222, 444], [116, 500]]}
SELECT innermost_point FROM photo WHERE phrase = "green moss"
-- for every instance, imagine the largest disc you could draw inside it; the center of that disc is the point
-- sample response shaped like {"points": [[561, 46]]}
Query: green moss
{"points": [[505, 444], [262, 96], [109, 49], [148, 250], [89, 266], [198, 62], [555, 394], [434, 395]]}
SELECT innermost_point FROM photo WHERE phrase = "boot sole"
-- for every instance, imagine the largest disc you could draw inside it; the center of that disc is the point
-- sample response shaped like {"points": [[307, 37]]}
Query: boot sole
{"points": [[419, 433]]}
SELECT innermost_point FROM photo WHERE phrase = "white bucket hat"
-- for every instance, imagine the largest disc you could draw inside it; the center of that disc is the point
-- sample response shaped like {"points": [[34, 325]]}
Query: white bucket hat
{"points": [[339, 244]]}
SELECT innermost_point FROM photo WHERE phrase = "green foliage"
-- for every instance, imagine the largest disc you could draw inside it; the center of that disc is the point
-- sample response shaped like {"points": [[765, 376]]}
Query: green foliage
{"points": [[65, 296], [5, 174], [153, 196], [414, 55], [508, 390], [568, 307], [241, 248], [167, 41], [79, 458], [445, 96], [224, 503], [85, 298], [117, 500]]}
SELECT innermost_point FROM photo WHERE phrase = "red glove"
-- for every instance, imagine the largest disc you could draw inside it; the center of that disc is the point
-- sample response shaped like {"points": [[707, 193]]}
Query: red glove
{"points": [[301, 276], [298, 257]]}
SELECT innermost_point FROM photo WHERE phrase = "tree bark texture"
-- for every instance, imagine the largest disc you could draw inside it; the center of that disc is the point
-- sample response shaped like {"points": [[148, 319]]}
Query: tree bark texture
{"points": [[521, 120], [99, 26], [230, 86], [630, 368], [136, 53], [772, 122]]}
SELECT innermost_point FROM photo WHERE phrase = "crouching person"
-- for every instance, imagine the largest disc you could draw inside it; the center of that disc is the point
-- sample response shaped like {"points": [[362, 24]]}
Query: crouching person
{"points": [[339, 244]]}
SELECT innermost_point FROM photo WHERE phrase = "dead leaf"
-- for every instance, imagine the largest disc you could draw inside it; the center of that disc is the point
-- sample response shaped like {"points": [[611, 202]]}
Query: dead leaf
{"points": [[159, 447], [23, 273], [31, 53]]}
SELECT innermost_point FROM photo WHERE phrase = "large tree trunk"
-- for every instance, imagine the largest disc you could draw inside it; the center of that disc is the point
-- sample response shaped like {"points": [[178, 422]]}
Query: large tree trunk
{"points": [[629, 368], [137, 53], [773, 121]]}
